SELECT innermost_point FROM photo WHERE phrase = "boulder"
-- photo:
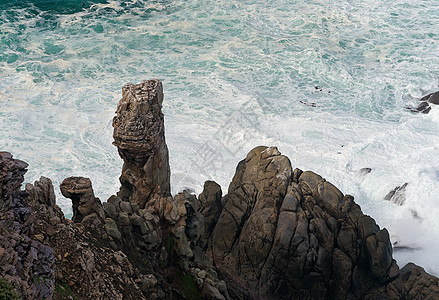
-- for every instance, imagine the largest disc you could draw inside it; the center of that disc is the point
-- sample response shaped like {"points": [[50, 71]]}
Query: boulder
{"points": [[424, 107], [209, 205]]}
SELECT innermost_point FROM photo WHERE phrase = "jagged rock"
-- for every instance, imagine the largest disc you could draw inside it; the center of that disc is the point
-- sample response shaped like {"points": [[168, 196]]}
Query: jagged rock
{"points": [[42, 190], [413, 283], [24, 260], [431, 98], [139, 135], [86, 266], [277, 234], [397, 195], [424, 107], [285, 235], [80, 191], [187, 224], [244, 233], [209, 206]]}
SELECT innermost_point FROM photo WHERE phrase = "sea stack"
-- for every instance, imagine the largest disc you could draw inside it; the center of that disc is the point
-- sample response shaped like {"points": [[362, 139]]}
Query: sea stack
{"points": [[139, 135], [278, 233]]}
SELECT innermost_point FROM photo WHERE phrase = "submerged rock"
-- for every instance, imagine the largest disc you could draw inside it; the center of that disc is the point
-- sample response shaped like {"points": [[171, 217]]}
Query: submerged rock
{"points": [[364, 171], [397, 195], [431, 98], [424, 107]]}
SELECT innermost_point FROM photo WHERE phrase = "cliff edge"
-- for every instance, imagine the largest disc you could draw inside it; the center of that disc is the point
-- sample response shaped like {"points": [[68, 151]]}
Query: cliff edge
{"points": [[278, 233]]}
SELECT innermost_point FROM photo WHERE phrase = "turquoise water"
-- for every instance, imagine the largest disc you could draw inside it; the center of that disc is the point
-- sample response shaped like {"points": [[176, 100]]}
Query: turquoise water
{"points": [[325, 81]]}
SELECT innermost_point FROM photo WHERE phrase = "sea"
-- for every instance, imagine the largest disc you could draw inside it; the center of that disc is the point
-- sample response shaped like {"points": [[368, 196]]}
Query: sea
{"points": [[327, 82]]}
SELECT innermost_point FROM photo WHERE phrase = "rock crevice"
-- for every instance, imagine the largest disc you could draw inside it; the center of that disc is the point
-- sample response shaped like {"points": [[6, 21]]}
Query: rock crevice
{"points": [[279, 232]]}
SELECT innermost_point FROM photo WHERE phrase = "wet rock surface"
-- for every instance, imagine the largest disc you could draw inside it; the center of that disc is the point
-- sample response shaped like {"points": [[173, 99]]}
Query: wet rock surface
{"points": [[425, 107], [279, 232], [397, 195]]}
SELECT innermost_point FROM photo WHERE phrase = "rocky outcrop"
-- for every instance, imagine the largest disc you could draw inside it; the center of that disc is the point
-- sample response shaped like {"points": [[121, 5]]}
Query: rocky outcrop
{"points": [[424, 107], [288, 235], [24, 260], [139, 135], [85, 204], [413, 283], [278, 233], [87, 267], [397, 195]]}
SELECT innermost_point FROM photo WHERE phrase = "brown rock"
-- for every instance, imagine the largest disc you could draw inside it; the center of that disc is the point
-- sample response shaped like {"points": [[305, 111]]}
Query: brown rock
{"points": [[139, 136], [80, 191], [210, 206]]}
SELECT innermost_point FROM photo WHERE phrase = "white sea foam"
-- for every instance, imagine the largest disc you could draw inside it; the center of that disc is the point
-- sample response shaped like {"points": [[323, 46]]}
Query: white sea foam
{"points": [[325, 81]]}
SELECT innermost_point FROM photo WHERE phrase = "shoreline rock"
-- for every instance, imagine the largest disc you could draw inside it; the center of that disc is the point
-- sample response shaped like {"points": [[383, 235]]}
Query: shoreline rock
{"points": [[424, 107], [279, 232]]}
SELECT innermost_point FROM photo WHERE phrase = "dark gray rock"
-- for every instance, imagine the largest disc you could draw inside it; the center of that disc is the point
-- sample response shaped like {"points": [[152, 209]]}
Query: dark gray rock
{"points": [[397, 195], [364, 171], [288, 235], [424, 107], [24, 261], [431, 98]]}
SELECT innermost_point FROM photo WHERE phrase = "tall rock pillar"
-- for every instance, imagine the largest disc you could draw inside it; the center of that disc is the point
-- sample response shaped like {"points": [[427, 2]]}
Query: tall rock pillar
{"points": [[139, 135]]}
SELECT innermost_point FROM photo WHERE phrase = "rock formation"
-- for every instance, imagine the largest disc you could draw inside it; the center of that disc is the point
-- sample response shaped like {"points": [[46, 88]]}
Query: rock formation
{"points": [[278, 233], [139, 135], [86, 266], [24, 261], [424, 107], [397, 195], [79, 190]]}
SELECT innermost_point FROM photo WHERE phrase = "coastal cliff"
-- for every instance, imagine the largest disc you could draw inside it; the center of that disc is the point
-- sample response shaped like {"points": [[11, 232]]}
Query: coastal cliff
{"points": [[278, 233]]}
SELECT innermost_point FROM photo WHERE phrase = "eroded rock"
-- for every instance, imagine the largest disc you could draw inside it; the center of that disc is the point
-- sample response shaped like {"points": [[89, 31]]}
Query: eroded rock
{"points": [[277, 234], [286, 235], [24, 260], [80, 191], [139, 135]]}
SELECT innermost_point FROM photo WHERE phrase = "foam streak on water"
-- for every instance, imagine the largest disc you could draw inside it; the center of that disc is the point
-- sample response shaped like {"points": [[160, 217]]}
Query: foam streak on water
{"points": [[325, 81]]}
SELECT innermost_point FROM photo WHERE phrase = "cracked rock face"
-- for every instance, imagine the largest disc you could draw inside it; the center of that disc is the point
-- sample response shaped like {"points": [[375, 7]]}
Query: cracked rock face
{"points": [[139, 124], [24, 260], [140, 139], [287, 235]]}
